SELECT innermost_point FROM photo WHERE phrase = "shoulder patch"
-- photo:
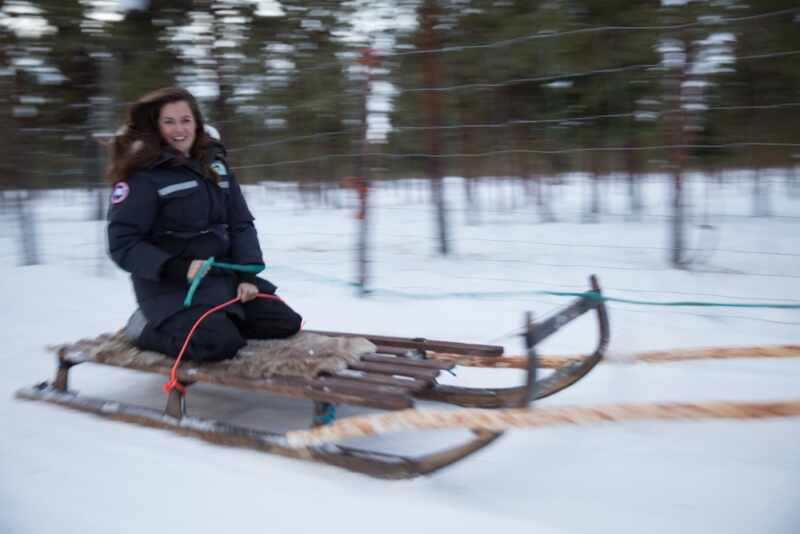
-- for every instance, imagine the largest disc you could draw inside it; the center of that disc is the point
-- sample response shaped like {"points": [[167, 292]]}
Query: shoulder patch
{"points": [[219, 168], [120, 192]]}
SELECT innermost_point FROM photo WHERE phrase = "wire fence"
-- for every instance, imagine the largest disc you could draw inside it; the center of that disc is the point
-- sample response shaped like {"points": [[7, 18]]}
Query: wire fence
{"points": [[527, 195]]}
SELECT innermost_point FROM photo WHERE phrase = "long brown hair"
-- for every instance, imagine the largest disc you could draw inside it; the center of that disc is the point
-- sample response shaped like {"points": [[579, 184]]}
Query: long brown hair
{"points": [[138, 144]]}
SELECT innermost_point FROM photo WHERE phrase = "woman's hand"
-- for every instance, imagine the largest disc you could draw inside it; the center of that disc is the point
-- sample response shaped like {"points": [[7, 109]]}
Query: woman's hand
{"points": [[194, 268], [246, 291]]}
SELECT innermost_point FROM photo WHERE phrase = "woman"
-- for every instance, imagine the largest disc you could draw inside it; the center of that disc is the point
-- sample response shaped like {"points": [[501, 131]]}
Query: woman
{"points": [[174, 203]]}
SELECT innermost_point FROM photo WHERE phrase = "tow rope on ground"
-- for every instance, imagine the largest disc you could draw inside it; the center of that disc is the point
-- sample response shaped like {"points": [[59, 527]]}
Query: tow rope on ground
{"points": [[659, 356], [483, 420]]}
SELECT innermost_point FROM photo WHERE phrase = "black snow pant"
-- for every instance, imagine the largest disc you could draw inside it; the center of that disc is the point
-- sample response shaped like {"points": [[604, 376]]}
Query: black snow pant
{"points": [[221, 335]]}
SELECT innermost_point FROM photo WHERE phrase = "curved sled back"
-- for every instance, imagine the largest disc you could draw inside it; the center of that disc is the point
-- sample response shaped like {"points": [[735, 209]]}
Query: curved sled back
{"points": [[535, 387], [566, 375]]}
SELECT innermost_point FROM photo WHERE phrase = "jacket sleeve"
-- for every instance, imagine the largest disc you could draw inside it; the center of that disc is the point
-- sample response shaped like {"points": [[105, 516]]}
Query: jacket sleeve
{"points": [[133, 212], [245, 248]]}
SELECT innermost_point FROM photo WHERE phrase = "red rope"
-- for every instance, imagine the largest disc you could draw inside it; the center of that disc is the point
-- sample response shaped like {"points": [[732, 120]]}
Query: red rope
{"points": [[173, 375]]}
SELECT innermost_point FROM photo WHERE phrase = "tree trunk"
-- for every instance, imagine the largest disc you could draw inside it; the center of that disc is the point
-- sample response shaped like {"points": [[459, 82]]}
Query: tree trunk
{"points": [[525, 179], [634, 185], [761, 204], [674, 135], [469, 172], [544, 193], [101, 117], [761, 194], [8, 167], [29, 245], [28, 235], [595, 162], [432, 76], [362, 184]]}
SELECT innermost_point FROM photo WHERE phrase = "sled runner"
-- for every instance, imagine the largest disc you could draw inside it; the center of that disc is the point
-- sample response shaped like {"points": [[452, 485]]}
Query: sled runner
{"points": [[392, 373]]}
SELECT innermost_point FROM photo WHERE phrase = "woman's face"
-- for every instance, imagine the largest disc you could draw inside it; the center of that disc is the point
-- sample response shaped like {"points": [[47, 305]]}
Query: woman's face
{"points": [[177, 126]]}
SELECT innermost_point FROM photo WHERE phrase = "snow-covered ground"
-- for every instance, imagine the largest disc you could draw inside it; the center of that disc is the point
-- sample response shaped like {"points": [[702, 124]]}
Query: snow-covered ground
{"points": [[67, 472]]}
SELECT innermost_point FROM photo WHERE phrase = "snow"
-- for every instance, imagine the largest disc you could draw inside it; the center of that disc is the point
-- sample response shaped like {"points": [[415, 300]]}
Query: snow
{"points": [[68, 472]]}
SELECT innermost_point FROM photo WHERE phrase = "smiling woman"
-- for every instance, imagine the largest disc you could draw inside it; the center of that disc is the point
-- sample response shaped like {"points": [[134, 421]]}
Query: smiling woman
{"points": [[174, 204], [167, 118], [176, 125]]}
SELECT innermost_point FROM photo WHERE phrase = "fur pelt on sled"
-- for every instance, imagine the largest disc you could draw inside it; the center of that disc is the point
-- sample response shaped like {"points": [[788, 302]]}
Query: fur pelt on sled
{"points": [[305, 355]]}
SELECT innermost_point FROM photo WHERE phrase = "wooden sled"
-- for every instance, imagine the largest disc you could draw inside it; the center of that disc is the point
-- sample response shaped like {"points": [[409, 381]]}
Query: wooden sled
{"points": [[393, 378]]}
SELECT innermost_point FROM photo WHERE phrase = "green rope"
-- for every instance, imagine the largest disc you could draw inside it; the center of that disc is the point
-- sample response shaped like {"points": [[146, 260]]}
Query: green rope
{"points": [[206, 267], [503, 294], [253, 268], [591, 295]]}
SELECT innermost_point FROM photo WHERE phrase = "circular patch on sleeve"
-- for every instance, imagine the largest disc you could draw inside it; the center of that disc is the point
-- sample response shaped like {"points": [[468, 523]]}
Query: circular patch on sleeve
{"points": [[120, 192], [219, 168]]}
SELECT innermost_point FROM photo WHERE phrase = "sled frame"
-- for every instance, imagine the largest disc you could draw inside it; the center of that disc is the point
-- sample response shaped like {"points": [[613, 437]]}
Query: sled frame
{"points": [[412, 351]]}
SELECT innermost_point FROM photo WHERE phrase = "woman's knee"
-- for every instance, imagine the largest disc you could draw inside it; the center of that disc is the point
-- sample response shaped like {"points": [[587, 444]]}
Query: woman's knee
{"points": [[214, 350], [293, 323], [270, 320], [218, 341], [288, 324], [275, 328]]}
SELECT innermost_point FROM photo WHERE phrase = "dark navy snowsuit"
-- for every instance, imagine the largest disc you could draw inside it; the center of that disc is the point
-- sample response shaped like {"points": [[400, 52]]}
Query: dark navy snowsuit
{"points": [[170, 210]]}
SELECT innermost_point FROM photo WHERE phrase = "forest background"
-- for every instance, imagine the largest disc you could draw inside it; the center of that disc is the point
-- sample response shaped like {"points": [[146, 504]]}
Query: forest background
{"points": [[317, 92]]}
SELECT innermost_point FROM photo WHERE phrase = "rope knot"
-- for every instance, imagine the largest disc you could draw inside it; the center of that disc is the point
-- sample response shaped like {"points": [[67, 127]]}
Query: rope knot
{"points": [[173, 384]]}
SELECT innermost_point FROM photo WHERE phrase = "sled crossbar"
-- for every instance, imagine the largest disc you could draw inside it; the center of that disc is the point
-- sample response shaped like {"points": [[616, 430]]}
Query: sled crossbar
{"points": [[421, 344]]}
